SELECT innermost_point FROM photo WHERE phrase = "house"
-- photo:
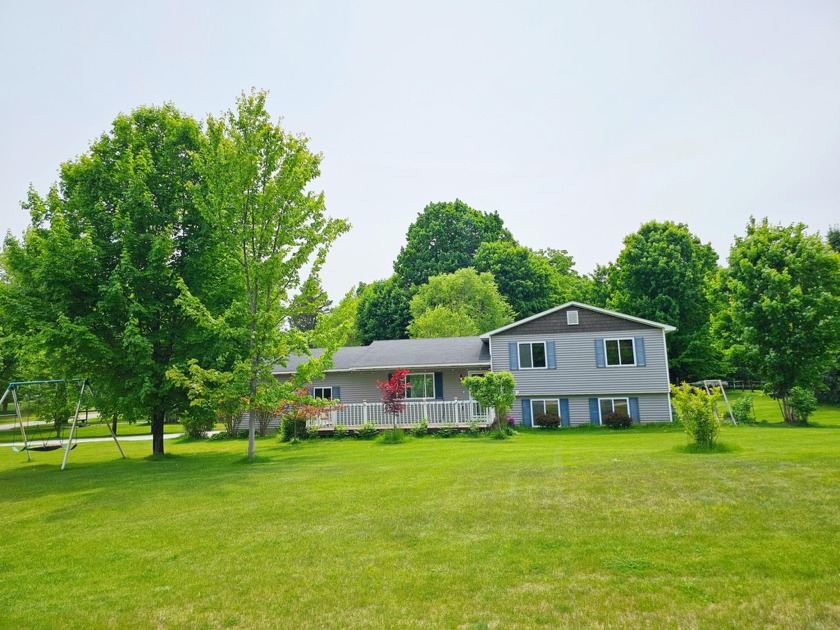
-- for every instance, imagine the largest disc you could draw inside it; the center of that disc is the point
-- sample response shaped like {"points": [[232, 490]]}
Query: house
{"points": [[577, 361]]}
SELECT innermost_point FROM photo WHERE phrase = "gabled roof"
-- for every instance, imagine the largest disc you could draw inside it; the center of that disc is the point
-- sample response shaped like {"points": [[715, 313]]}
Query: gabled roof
{"points": [[603, 311], [403, 353]]}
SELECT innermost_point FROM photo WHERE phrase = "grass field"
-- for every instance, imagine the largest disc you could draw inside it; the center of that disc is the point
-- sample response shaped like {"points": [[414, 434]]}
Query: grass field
{"points": [[581, 528]]}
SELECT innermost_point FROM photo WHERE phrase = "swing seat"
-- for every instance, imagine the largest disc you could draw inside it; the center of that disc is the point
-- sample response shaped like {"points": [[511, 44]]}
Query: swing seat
{"points": [[43, 449]]}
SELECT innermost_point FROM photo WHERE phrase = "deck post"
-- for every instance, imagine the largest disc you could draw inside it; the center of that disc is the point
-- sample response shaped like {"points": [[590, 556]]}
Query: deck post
{"points": [[364, 412]]}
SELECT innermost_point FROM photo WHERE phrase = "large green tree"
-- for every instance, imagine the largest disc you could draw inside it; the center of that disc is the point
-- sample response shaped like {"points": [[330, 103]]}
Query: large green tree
{"points": [[458, 304], [254, 192], [96, 276], [527, 281], [383, 311], [784, 306], [662, 275], [445, 238]]}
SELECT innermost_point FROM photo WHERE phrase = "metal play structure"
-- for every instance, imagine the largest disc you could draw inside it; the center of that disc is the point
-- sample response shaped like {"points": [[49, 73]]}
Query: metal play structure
{"points": [[710, 384], [54, 443]]}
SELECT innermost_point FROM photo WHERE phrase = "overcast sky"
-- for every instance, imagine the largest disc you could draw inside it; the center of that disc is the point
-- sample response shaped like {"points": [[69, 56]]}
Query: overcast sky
{"points": [[576, 121]]}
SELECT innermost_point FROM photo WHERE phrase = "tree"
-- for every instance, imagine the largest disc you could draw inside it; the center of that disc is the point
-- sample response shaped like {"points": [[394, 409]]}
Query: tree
{"points": [[528, 282], [383, 311], [784, 305], [467, 297], [309, 305], [95, 279], [443, 239], [662, 275], [254, 192], [393, 393], [833, 237], [494, 390]]}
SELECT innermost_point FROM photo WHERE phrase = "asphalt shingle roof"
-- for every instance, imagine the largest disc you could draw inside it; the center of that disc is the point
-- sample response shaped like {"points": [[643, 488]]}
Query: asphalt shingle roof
{"points": [[403, 353]]}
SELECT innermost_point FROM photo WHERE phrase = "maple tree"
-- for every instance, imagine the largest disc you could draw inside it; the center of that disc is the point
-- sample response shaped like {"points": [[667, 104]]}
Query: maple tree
{"points": [[393, 393]]}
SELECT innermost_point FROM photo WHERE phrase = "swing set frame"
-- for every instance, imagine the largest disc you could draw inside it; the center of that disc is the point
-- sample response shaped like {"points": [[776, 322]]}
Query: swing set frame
{"points": [[67, 446]]}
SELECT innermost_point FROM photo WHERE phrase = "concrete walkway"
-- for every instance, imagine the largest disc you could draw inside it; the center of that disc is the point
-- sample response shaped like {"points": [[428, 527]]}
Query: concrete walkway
{"points": [[124, 438]]}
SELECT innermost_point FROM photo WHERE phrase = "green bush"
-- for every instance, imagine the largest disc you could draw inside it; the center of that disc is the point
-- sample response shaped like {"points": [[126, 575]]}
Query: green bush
{"points": [[313, 433], [367, 431], [743, 410], [803, 402], [617, 420], [340, 432], [446, 432], [547, 420], [420, 429], [292, 427], [697, 412], [197, 425], [474, 430], [393, 436]]}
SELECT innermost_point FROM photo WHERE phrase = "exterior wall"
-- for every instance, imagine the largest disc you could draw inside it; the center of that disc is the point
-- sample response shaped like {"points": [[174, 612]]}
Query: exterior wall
{"points": [[588, 321], [652, 407], [356, 387], [576, 372]]}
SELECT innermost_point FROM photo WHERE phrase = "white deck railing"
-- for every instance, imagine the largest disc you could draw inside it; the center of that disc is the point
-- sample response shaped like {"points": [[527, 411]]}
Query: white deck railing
{"points": [[434, 412]]}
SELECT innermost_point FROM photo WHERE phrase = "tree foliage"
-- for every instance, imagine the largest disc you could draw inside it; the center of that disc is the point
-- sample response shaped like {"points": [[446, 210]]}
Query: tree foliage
{"points": [[445, 238], [254, 192], [383, 311], [464, 301], [662, 275], [783, 314], [496, 390], [528, 282], [95, 279], [393, 393], [696, 410]]}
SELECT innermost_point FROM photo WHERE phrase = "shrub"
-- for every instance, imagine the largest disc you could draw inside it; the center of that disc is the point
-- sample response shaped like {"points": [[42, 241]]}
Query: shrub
{"points": [[617, 420], [340, 432], [393, 436], [547, 420], [231, 422], [293, 427], [367, 431], [197, 425], [697, 412], [220, 436], [420, 429], [803, 402], [743, 410], [312, 433], [446, 432], [511, 421], [473, 430], [263, 420]]}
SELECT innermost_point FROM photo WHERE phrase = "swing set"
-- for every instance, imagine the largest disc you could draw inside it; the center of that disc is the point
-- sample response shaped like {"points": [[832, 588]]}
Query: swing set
{"points": [[45, 443]]}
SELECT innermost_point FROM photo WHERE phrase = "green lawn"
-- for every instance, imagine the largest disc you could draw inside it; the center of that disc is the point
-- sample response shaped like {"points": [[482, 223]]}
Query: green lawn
{"points": [[574, 528]]}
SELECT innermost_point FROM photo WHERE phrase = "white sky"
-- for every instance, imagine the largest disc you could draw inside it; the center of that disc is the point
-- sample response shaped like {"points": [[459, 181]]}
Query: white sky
{"points": [[577, 121]]}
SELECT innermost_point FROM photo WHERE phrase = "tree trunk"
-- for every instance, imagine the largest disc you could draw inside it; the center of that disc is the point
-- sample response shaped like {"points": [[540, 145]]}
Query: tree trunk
{"points": [[157, 431], [114, 423]]}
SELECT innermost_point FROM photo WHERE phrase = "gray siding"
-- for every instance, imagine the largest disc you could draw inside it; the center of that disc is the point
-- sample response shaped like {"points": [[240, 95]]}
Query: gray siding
{"points": [[359, 387], [652, 407], [576, 372]]}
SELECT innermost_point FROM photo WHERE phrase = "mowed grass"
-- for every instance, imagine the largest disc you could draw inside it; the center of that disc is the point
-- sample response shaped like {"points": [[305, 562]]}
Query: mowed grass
{"points": [[573, 528]]}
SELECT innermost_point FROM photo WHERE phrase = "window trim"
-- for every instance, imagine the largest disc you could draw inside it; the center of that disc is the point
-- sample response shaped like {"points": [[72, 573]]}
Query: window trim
{"points": [[408, 395], [519, 344], [618, 340], [323, 389], [626, 399]]}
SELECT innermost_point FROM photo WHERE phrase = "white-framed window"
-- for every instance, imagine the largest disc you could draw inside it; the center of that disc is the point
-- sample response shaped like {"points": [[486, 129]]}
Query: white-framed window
{"points": [[619, 352], [422, 385], [547, 405], [532, 355], [613, 405], [322, 392]]}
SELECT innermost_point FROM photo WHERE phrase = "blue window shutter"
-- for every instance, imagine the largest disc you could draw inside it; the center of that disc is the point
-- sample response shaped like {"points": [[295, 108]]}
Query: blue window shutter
{"points": [[564, 412], [600, 356], [526, 412], [551, 355], [390, 374], [514, 355], [438, 385], [640, 351], [634, 409], [594, 416], [336, 392]]}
